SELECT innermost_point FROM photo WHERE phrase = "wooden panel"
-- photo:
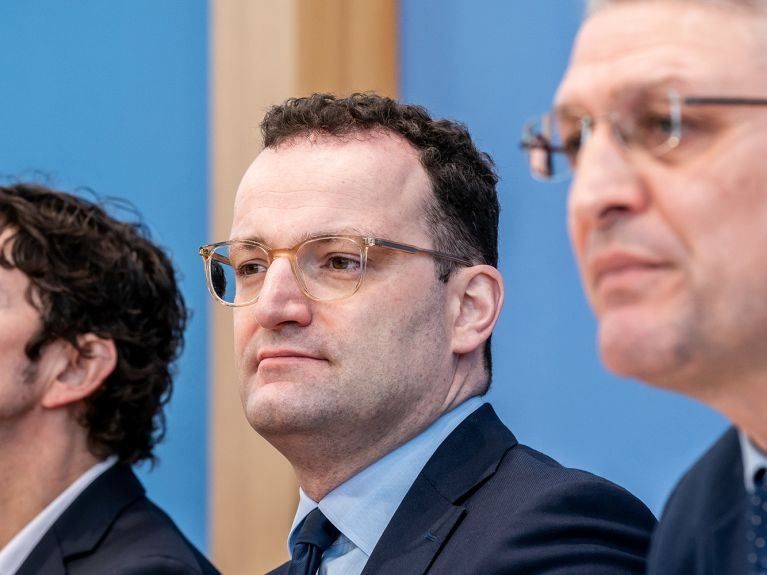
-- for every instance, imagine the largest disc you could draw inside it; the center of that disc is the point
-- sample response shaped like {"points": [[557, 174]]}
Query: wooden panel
{"points": [[347, 46], [262, 52], [253, 492]]}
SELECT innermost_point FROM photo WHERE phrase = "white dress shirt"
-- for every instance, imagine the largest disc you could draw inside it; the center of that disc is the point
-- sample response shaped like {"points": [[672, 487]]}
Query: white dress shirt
{"points": [[754, 459], [18, 549]]}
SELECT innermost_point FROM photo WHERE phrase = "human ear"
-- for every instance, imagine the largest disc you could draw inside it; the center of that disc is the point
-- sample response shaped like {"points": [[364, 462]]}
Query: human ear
{"points": [[480, 297], [77, 373]]}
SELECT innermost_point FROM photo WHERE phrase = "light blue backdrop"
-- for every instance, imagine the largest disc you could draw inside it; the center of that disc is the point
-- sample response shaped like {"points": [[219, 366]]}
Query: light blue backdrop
{"points": [[492, 64], [113, 95]]}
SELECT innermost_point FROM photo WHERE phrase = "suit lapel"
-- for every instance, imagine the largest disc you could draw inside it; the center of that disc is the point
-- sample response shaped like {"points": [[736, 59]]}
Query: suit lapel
{"points": [[727, 549], [45, 559], [432, 510], [82, 526]]}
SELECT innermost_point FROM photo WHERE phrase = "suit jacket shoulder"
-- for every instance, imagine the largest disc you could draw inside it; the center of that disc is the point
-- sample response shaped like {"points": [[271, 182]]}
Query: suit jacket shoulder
{"points": [[702, 529], [486, 504], [113, 528]]}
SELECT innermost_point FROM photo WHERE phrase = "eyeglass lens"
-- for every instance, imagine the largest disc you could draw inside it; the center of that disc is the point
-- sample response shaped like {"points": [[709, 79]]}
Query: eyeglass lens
{"points": [[553, 141], [325, 269]]}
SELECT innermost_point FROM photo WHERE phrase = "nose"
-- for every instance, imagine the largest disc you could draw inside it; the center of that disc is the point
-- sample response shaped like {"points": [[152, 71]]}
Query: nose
{"points": [[607, 184], [281, 300]]}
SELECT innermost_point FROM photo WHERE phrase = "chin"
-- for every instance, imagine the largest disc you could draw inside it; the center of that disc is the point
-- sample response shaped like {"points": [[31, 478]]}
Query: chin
{"points": [[653, 354], [284, 409]]}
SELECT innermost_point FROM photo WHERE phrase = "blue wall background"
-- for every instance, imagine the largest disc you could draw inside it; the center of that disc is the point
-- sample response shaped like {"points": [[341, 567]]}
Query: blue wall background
{"points": [[492, 64], [113, 96]]}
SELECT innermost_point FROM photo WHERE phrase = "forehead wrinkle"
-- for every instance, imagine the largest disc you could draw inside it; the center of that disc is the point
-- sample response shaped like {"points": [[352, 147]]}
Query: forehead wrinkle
{"points": [[657, 48], [652, 87]]}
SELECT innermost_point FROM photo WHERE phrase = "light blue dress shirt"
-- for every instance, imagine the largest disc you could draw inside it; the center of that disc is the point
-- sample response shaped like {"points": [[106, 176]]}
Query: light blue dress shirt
{"points": [[362, 507], [753, 460]]}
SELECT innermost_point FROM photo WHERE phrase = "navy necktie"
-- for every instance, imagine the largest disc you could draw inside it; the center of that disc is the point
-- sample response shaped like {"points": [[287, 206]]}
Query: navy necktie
{"points": [[757, 526], [316, 535]]}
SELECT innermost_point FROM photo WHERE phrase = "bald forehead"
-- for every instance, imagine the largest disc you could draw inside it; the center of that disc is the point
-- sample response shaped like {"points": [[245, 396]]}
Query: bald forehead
{"points": [[751, 5], [683, 44]]}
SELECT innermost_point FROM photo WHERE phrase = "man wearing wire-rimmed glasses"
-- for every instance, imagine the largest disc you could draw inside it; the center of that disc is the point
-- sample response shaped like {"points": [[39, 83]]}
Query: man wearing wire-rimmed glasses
{"points": [[361, 273], [662, 120]]}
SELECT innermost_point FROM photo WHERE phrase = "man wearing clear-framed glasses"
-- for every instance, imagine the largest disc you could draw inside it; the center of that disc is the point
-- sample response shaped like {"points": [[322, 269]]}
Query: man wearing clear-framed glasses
{"points": [[661, 117], [361, 273]]}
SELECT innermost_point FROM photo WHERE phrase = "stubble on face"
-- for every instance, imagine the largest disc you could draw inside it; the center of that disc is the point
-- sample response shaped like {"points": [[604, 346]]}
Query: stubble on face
{"points": [[379, 384], [382, 357], [699, 318], [18, 384]]}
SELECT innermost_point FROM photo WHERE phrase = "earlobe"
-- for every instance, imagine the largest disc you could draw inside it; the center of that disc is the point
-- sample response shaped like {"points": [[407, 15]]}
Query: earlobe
{"points": [[480, 304], [78, 373]]}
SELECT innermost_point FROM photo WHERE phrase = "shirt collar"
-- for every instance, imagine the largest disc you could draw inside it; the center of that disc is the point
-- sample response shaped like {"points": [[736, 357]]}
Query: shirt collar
{"points": [[363, 506], [23, 543], [754, 459]]}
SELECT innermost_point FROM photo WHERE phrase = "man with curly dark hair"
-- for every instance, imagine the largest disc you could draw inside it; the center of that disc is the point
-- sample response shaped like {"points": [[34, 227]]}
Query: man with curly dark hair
{"points": [[363, 355], [91, 322]]}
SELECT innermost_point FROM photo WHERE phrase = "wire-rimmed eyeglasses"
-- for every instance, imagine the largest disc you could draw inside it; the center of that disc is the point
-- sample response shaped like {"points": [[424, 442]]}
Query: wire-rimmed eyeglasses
{"points": [[656, 125], [326, 268]]}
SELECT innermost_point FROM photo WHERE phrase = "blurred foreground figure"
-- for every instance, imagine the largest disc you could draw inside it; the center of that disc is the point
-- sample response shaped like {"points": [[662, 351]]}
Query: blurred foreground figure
{"points": [[91, 321], [662, 117], [361, 269]]}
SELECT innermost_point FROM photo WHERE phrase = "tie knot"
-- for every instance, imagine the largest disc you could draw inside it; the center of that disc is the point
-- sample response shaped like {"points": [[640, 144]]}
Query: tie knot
{"points": [[759, 478], [317, 530]]}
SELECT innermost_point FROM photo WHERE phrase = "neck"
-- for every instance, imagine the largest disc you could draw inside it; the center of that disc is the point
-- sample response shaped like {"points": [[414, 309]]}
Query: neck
{"points": [[744, 403], [37, 463], [323, 461]]}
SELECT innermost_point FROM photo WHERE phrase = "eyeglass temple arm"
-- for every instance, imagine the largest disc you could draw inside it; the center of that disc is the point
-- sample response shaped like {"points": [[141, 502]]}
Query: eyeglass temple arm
{"points": [[414, 250], [723, 101], [207, 252], [540, 144]]}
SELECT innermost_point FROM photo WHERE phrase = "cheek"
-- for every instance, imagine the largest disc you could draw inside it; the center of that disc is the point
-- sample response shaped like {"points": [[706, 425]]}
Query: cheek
{"points": [[243, 328], [723, 215], [577, 241]]}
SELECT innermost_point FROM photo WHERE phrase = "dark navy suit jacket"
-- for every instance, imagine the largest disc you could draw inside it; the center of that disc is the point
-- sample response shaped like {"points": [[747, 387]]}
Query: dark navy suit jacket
{"points": [[485, 505], [703, 528], [112, 528]]}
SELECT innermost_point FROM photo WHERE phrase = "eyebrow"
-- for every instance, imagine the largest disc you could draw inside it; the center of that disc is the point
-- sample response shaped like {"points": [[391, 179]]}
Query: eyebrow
{"points": [[347, 231], [643, 87]]}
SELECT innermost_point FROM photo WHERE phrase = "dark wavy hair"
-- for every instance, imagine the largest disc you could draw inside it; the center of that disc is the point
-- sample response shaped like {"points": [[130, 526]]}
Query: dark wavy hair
{"points": [[462, 215], [90, 273]]}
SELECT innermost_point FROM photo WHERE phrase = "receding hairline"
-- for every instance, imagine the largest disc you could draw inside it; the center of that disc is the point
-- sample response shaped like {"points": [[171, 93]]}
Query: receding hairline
{"points": [[753, 6]]}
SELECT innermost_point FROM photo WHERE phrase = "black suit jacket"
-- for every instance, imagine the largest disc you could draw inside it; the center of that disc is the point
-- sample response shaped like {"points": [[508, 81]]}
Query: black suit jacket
{"points": [[703, 528], [484, 505], [112, 528]]}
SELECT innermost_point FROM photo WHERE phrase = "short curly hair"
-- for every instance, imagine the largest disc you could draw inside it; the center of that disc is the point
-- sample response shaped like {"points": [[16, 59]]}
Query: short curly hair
{"points": [[90, 273], [462, 216]]}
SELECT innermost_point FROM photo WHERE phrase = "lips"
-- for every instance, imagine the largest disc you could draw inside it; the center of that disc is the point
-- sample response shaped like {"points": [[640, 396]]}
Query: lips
{"points": [[281, 356], [624, 271]]}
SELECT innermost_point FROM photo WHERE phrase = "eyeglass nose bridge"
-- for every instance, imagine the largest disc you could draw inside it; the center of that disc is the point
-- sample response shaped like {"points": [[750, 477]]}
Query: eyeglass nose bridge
{"points": [[292, 256]]}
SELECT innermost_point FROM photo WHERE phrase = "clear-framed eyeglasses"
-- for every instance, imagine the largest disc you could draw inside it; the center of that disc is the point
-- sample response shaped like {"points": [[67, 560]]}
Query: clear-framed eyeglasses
{"points": [[654, 124], [326, 268]]}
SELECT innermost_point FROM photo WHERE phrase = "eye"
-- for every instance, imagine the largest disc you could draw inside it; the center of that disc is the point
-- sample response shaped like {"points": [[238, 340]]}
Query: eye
{"points": [[251, 268], [571, 145], [342, 262], [653, 128], [570, 131]]}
